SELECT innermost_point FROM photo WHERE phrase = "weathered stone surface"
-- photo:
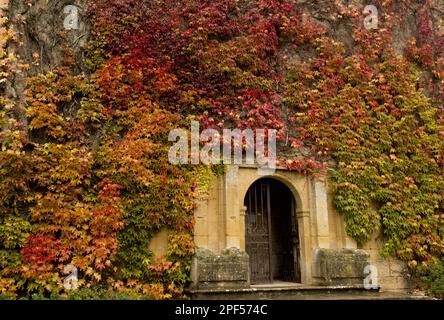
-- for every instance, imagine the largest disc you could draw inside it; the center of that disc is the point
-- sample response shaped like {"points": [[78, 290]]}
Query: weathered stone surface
{"points": [[39, 26], [4, 4], [342, 267], [159, 243], [229, 270]]}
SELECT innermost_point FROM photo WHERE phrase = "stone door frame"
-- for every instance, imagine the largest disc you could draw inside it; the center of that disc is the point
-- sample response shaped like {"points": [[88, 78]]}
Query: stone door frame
{"points": [[301, 210], [261, 194]]}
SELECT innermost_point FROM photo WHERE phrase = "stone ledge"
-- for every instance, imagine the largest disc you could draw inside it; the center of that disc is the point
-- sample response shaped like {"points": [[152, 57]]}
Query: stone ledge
{"points": [[230, 270], [302, 292], [341, 267], [280, 288]]}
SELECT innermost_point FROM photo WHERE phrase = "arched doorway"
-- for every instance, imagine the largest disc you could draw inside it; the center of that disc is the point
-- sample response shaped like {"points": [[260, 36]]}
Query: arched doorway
{"points": [[271, 231]]}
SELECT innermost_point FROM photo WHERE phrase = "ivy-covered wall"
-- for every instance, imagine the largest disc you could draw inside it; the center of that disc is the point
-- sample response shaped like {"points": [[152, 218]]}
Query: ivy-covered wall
{"points": [[85, 114]]}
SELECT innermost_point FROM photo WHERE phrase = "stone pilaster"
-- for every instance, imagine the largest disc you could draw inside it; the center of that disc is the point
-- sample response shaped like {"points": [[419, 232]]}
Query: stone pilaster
{"points": [[320, 206], [232, 208], [305, 246]]}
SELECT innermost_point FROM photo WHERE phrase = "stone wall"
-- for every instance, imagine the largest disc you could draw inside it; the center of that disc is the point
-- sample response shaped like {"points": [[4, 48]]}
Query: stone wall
{"points": [[159, 243], [392, 274], [328, 255], [3, 5]]}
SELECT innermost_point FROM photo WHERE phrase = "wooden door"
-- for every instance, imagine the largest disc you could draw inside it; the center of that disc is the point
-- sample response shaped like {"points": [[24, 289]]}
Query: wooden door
{"points": [[258, 232], [272, 240]]}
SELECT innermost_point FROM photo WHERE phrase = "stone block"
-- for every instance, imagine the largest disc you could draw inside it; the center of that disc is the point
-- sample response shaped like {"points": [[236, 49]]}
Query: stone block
{"points": [[3, 5], [341, 267], [159, 243], [229, 270]]}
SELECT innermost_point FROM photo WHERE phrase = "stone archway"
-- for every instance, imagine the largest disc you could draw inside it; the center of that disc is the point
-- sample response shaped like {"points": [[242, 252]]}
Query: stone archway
{"points": [[220, 225], [271, 232]]}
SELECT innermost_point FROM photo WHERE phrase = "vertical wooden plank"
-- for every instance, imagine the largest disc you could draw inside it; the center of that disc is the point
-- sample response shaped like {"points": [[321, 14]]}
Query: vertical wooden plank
{"points": [[296, 242], [270, 242]]}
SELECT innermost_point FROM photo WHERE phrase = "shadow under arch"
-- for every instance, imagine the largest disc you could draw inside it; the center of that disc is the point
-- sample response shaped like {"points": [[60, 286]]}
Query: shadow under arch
{"points": [[295, 192]]}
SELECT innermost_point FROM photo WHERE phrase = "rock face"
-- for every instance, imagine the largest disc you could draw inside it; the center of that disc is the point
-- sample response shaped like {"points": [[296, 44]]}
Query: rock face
{"points": [[41, 40], [40, 25], [230, 270], [342, 267]]}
